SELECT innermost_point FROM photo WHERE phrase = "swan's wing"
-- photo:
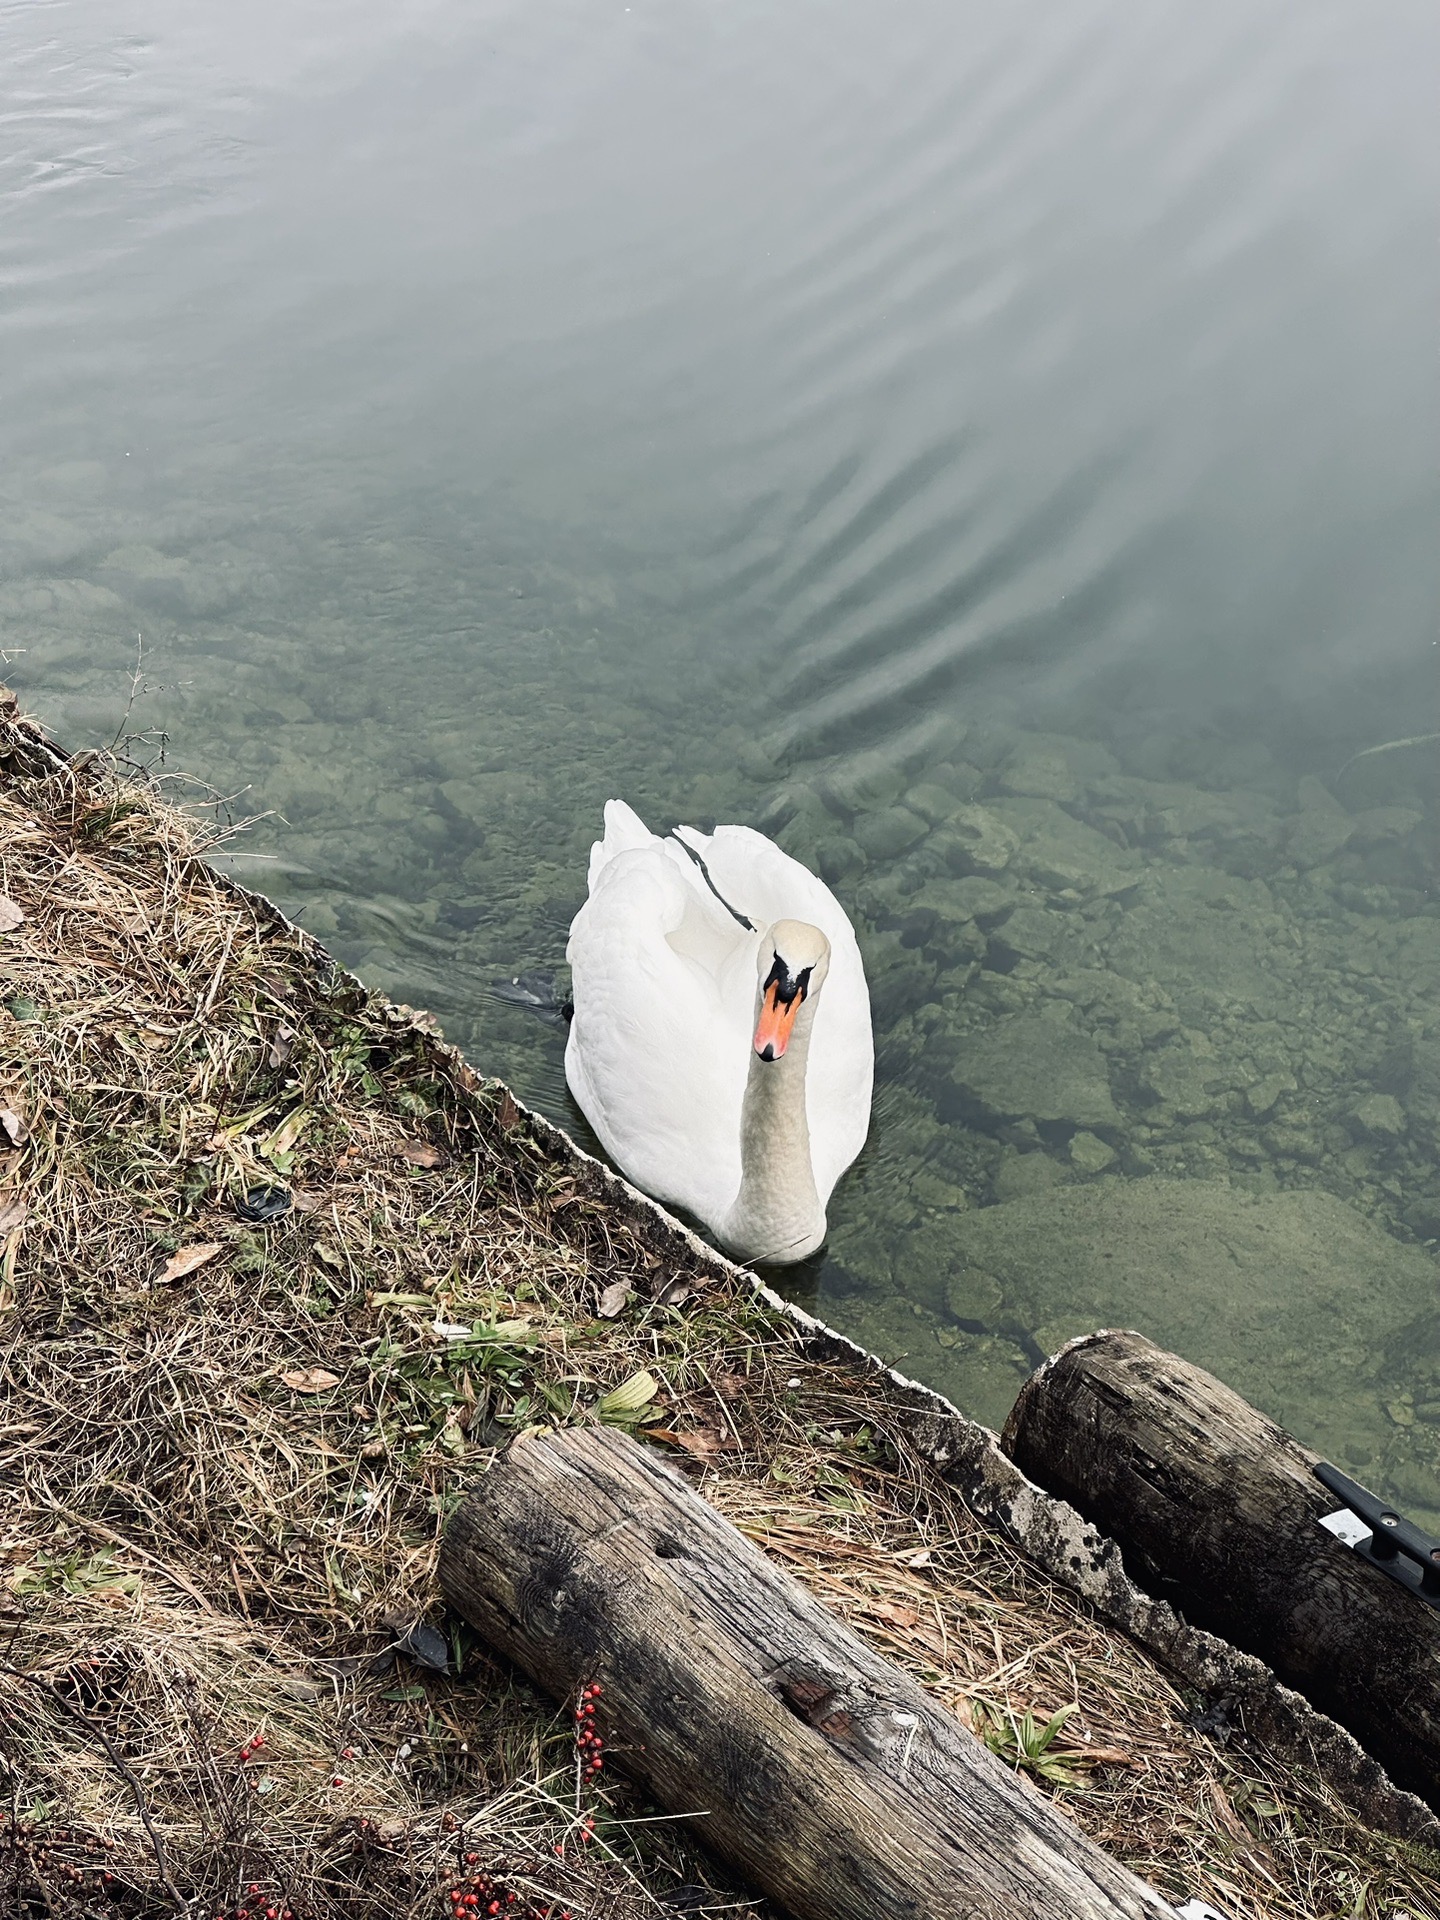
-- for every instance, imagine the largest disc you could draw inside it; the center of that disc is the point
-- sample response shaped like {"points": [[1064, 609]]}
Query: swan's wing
{"points": [[624, 831], [657, 1053], [761, 881]]}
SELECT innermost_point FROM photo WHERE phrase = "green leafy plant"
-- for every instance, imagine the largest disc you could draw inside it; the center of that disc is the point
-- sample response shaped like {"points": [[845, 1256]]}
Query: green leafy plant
{"points": [[628, 1404], [1024, 1745], [77, 1572]]}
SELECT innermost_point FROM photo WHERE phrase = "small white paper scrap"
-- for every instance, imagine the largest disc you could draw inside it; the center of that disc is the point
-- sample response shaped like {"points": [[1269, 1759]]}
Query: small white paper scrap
{"points": [[1346, 1526]]}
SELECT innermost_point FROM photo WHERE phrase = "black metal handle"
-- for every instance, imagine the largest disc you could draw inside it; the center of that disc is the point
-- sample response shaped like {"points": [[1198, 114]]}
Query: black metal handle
{"points": [[1391, 1534]]}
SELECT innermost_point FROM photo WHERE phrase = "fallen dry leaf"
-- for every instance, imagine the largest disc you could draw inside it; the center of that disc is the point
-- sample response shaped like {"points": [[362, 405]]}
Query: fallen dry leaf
{"points": [[702, 1443], [896, 1616], [612, 1300], [304, 1201], [507, 1113], [288, 1132], [16, 1125], [310, 1380], [13, 1212], [420, 1153], [282, 1046], [10, 915], [186, 1259]]}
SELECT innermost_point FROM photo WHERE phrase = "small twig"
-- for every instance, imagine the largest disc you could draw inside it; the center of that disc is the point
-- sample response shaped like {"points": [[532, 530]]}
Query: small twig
{"points": [[120, 1764]]}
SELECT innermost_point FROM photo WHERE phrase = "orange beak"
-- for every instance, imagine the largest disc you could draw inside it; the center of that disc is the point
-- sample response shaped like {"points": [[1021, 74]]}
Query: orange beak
{"points": [[777, 1018]]}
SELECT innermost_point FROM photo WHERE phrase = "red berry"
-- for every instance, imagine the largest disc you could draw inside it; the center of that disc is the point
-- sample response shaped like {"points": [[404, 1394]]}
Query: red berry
{"points": [[254, 1887], [472, 1857], [347, 1753]]}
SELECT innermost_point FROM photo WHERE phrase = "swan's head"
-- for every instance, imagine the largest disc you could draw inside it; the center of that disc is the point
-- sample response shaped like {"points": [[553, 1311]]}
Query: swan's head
{"points": [[793, 960]]}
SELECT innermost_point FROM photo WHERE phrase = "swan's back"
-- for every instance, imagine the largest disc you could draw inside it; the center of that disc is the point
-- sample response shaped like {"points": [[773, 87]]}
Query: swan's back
{"points": [[664, 979]]}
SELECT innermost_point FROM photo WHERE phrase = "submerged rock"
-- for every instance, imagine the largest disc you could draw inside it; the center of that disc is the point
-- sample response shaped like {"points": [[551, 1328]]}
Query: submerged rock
{"points": [[975, 840], [892, 831], [1321, 828], [1046, 1070], [1063, 854], [1292, 1298], [1089, 1153], [1379, 1116]]}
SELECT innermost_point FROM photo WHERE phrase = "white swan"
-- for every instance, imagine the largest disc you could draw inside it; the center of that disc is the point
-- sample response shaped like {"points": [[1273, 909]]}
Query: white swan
{"points": [[703, 1052]]}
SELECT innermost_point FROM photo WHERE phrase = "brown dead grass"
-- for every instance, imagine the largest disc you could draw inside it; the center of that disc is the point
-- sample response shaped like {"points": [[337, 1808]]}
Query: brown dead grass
{"points": [[221, 1493]]}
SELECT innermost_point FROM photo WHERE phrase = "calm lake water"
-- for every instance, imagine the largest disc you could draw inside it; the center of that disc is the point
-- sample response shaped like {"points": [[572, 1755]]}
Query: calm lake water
{"points": [[991, 448]]}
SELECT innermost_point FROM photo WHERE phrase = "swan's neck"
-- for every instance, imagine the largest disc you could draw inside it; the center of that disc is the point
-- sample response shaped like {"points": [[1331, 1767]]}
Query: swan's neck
{"points": [[777, 1214]]}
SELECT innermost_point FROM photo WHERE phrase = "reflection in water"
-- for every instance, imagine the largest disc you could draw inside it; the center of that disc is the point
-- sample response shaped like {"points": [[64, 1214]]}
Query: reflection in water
{"points": [[993, 461]]}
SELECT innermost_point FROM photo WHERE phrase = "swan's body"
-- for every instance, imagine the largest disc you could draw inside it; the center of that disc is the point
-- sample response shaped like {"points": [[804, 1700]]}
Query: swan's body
{"points": [[674, 997]]}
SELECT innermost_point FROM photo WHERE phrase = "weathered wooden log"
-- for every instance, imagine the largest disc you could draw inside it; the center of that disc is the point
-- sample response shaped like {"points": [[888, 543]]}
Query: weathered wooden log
{"points": [[830, 1779], [1216, 1509]]}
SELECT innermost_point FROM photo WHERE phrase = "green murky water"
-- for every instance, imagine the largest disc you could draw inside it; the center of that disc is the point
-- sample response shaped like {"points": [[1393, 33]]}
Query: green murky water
{"points": [[993, 463]]}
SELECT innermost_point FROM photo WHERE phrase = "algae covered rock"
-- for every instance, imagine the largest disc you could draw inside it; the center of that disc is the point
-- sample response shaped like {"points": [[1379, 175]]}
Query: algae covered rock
{"points": [[889, 832], [1293, 1298], [1063, 854], [1185, 1075], [1089, 1153], [1042, 1069], [1321, 828], [1379, 1116], [1055, 766]]}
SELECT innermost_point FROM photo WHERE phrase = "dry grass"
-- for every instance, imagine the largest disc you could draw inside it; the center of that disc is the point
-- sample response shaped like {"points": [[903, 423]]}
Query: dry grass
{"points": [[223, 1491]]}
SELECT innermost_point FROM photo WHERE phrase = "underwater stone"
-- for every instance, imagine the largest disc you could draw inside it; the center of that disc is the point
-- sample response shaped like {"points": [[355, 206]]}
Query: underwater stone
{"points": [[974, 898], [862, 784], [1286, 1296], [1038, 1069], [931, 1189], [1056, 766], [786, 804], [978, 841], [1030, 933], [1021, 1174], [1044, 775], [1378, 826], [1185, 1076], [1089, 1153], [973, 1296], [838, 859], [933, 803], [1062, 853], [1261, 1098], [1380, 1116], [1321, 828], [882, 836], [923, 1264]]}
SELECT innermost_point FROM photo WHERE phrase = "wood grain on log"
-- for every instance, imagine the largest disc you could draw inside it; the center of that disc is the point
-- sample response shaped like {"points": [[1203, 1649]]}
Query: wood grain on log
{"points": [[829, 1778], [1215, 1508]]}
